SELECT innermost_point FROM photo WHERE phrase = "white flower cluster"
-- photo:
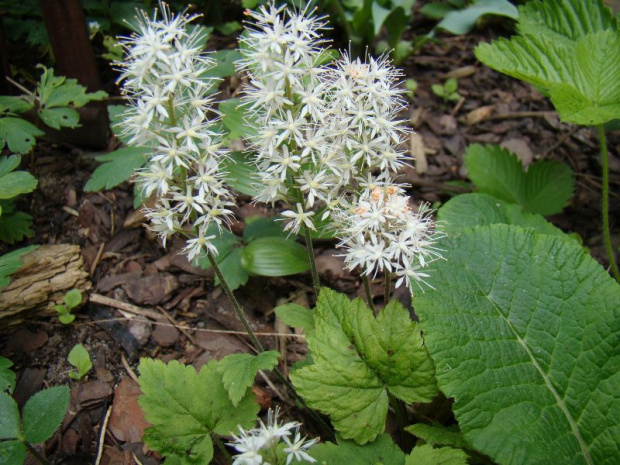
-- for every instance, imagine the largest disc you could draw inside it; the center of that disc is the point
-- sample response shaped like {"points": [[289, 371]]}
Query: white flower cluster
{"points": [[319, 127], [381, 232], [257, 444], [164, 77]]}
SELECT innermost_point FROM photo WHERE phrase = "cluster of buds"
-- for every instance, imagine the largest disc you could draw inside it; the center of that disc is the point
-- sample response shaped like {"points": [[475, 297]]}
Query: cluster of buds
{"points": [[257, 445], [163, 76], [381, 232]]}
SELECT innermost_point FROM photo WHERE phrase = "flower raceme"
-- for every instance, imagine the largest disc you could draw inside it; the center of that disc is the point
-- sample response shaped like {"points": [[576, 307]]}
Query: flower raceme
{"points": [[320, 127], [163, 76], [381, 232]]}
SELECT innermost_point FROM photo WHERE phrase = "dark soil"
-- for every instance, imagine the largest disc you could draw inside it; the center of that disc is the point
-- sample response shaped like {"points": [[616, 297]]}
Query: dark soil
{"points": [[177, 313]]}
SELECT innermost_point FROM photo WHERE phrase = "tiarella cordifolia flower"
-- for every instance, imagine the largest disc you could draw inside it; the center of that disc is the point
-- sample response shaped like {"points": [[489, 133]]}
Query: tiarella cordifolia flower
{"points": [[164, 78], [381, 232], [364, 102], [258, 445], [285, 99]]}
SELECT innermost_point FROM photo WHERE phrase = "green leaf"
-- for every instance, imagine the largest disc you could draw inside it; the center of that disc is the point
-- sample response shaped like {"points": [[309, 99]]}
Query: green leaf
{"points": [[358, 360], [524, 331], [234, 119], [11, 262], [440, 456], [230, 266], [8, 164], [568, 49], [117, 167], [7, 377], [436, 10], [57, 118], [470, 210], [438, 90], [58, 91], [184, 412], [438, 435], [12, 453], [16, 183], [240, 172], [80, 359], [274, 256], [44, 412], [14, 226], [18, 134], [225, 63], [296, 316], [239, 370], [565, 21], [462, 21], [9, 420], [379, 14], [263, 227], [15, 104], [73, 298], [545, 188], [67, 319], [381, 451]]}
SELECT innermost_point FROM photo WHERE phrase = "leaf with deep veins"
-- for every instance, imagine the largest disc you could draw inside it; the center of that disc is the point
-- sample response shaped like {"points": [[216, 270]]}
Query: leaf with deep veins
{"points": [[524, 329], [359, 361]]}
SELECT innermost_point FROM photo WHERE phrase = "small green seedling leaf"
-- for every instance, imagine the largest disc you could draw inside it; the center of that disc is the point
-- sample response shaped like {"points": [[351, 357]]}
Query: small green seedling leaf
{"points": [[535, 317], [11, 262], [73, 298], [239, 370], [545, 188], [359, 360], [296, 316], [44, 412], [382, 450], [438, 435], [80, 359], [274, 256], [7, 377], [184, 413], [443, 456], [117, 167]]}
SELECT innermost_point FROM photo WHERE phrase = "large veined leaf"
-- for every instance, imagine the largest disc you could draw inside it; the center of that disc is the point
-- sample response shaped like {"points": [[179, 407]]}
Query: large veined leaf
{"points": [[545, 188], [382, 451], [359, 360], [185, 407], [470, 210], [570, 49], [565, 21], [524, 330]]}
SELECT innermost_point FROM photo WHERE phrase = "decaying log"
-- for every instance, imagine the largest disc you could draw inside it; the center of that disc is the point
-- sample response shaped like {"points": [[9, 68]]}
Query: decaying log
{"points": [[48, 273]]}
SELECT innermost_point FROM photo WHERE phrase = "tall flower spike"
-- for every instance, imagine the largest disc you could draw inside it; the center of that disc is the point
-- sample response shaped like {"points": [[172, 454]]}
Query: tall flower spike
{"points": [[163, 78], [381, 232], [285, 100]]}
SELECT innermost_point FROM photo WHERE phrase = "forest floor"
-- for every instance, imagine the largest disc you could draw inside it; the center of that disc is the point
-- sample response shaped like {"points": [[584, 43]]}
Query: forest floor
{"points": [[176, 313]]}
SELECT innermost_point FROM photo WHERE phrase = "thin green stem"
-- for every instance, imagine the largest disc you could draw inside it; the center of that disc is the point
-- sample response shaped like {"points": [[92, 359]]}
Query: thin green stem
{"points": [[257, 345], [344, 22], [316, 283], [605, 206], [238, 309], [36, 454], [371, 304], [401, 419], [388, 287]]}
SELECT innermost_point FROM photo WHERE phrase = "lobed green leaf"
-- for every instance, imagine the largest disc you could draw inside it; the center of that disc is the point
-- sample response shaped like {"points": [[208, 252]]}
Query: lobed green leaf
{"points": [[437, 456], [185, 407], [382, 451], [438, 435], [239, 370], [117, 167], [18, 134], [11, 262], [296, 316], [359, 360]]}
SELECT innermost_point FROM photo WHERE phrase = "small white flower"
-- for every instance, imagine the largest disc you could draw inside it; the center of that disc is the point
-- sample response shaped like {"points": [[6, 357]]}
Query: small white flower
{"points": [[298, 218], [297, 449]]}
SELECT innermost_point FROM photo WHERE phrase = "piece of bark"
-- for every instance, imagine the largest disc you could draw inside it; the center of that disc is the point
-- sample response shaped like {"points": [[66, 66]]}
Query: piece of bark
{"points": [[48, 273]]}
